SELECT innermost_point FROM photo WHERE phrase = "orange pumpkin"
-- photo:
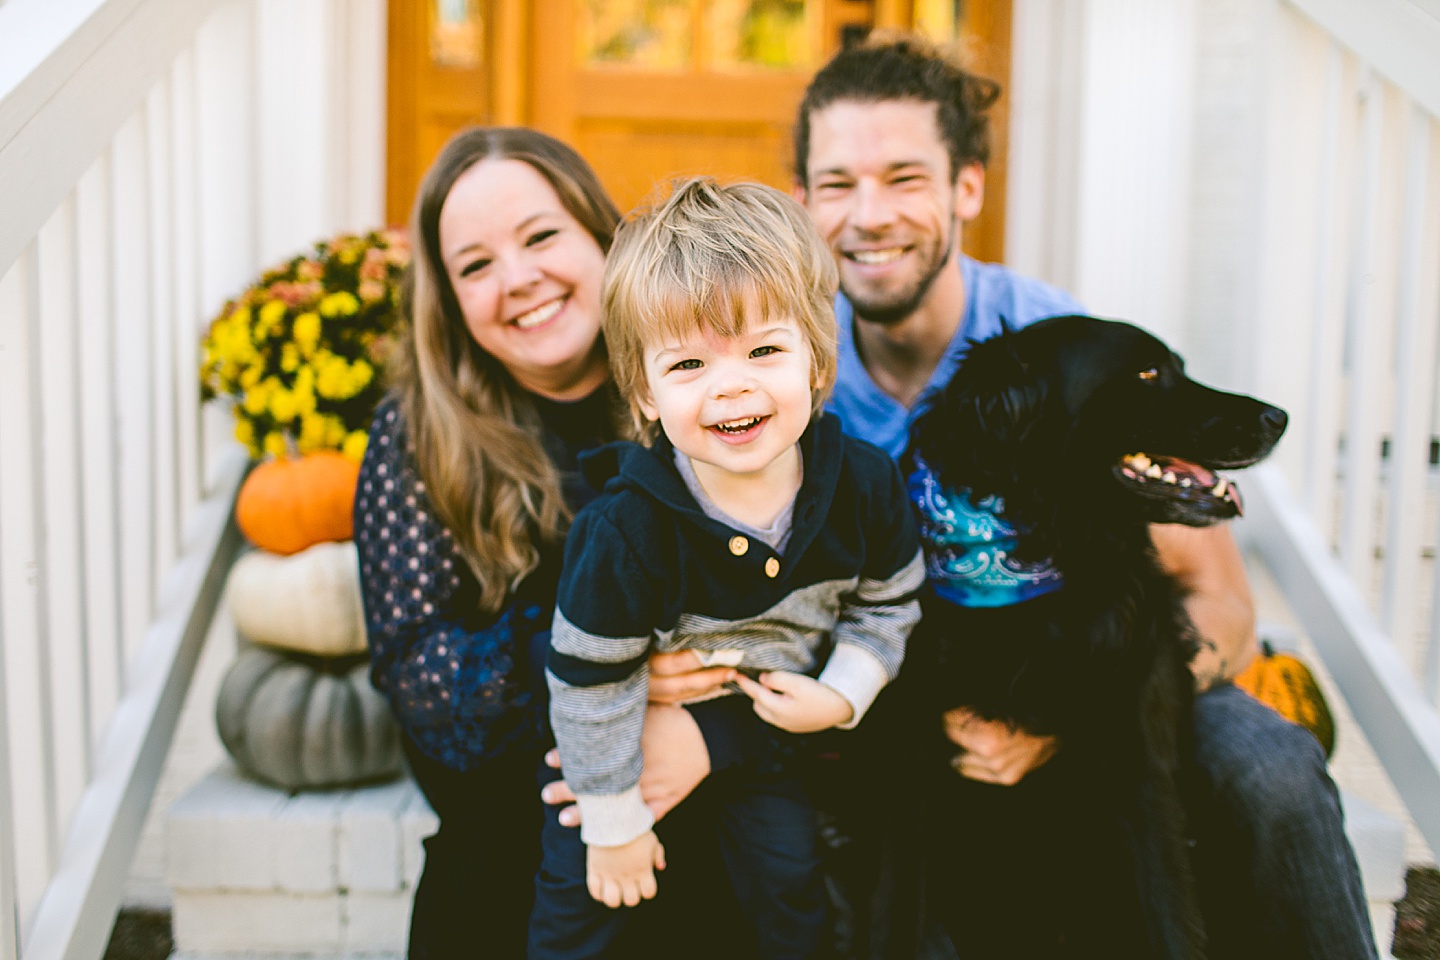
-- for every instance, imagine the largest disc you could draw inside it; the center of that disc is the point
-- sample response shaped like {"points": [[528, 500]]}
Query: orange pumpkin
{"points": [[1285, 685], [285, 506]]}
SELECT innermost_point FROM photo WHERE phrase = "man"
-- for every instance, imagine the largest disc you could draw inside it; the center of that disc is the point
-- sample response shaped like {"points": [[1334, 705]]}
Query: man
{"points": [[890, 150]]}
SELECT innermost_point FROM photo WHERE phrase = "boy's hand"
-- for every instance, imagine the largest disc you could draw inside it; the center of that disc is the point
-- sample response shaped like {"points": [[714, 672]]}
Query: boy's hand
{"points": [[624, 875], [795, 702]]}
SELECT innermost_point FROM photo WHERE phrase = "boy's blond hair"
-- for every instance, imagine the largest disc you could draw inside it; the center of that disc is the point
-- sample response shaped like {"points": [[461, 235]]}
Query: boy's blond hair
{"points": [[700, 256]]}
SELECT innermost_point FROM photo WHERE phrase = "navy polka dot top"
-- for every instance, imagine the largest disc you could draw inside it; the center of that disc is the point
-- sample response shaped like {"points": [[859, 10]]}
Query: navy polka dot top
{"points": [[458, 679]]}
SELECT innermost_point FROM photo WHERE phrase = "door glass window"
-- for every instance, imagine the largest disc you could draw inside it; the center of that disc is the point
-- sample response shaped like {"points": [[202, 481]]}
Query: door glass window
{"points": [[456, 33], [664, 34], [658, 34], [759, 33]]}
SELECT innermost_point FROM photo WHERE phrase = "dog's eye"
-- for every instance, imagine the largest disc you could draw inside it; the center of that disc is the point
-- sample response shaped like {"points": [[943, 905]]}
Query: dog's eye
{"points": [[1151, 374]]}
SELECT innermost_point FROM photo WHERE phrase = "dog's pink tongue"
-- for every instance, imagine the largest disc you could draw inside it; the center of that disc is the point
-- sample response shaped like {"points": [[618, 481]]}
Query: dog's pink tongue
{"points": [[1194, 471]]}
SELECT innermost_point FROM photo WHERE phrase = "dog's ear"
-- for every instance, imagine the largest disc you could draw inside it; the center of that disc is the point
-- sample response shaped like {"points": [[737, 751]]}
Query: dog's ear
{"points": [[983, 421]]}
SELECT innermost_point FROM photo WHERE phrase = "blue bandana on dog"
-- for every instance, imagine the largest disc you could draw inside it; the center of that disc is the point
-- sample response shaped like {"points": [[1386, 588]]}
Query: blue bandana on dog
{"points": [[968, 546]]}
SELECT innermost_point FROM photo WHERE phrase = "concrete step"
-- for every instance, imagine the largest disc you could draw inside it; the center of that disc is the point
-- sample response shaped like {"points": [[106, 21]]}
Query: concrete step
{"points": [[1379, 842], [260, 872]]}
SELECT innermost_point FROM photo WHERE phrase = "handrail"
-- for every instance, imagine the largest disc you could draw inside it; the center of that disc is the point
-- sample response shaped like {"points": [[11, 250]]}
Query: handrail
{"points": [[117, 488], [74, 918], [1400, 724], [149, 165], [1396, 37], [100, 59], [1348, 272]]}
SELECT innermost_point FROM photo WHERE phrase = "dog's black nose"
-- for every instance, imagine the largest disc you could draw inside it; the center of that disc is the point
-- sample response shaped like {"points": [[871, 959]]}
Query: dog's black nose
{"points": [[1274, 419]]}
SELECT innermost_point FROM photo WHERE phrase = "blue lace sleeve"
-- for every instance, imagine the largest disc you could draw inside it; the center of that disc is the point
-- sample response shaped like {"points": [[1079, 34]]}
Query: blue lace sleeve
{"points": [[457, 679]]}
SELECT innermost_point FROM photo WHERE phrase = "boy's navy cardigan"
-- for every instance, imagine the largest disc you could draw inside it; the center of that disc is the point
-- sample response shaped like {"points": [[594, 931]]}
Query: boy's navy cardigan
{"points": [[646, 569]]}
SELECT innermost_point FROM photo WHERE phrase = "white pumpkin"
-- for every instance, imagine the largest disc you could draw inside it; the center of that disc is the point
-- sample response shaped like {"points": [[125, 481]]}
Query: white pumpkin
{"points": [[308, 602]]}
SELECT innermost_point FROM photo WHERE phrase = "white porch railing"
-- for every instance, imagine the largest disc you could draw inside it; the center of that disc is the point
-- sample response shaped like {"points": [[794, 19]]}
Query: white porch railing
{"points": [[1346, 331], [153, 154]]}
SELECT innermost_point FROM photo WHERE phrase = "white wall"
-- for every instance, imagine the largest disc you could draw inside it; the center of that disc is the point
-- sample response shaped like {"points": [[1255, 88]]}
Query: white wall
{"points": [[1100, 153], [321, 71]]}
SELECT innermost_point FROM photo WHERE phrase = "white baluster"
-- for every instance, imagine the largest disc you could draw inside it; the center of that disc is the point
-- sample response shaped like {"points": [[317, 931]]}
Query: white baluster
{"points": [[68, 703]]}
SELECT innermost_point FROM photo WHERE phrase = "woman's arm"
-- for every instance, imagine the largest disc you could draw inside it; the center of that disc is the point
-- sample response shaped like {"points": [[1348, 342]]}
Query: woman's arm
{"points": [[457, 680], [1208, 566]]}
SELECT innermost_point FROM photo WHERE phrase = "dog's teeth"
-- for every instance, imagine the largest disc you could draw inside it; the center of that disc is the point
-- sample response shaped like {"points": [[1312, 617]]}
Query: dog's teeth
{"points": [[1185, 481], [1220, 487], [1169, 476], [1153, 471], [1140, 461]]}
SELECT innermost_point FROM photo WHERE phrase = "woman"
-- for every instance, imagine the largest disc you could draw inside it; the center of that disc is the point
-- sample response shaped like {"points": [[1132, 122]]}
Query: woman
{"points": [[468, 484]]}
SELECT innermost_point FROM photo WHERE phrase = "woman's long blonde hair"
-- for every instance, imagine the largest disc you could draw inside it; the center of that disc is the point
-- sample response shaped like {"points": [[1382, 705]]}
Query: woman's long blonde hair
{"points": [[475, 433]]}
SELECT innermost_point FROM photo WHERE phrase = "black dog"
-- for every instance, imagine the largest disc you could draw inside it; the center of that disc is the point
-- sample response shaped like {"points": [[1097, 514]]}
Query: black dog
{"points": [[1036, 474]]}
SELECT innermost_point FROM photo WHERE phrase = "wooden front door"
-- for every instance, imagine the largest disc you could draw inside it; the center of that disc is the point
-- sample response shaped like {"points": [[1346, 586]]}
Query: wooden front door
{"points": [[651, 89]]}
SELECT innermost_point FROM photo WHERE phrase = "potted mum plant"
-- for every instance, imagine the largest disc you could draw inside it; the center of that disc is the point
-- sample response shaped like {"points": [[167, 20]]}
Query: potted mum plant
{"points": [[300, 356]]}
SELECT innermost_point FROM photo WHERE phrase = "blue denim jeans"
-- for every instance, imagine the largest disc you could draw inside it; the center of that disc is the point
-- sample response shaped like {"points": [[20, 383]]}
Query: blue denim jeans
{"points": [[752, 836], [1278, 878]]}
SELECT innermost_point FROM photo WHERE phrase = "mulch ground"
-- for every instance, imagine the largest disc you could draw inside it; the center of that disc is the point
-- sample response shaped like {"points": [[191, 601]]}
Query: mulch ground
{"points": [[141, 935], [1417, 917]]}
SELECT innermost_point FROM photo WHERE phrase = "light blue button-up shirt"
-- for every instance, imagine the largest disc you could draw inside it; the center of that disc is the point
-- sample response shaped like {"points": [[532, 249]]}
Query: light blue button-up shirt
{"points": [[992, 293]]}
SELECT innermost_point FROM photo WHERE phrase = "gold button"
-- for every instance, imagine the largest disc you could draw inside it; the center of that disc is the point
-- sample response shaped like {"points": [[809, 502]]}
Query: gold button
{"points": [[738, 546], [772, 568]]}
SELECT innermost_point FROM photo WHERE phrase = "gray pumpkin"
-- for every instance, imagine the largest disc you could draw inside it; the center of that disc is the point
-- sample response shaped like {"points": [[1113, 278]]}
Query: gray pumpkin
{"points": [[303, 722]]}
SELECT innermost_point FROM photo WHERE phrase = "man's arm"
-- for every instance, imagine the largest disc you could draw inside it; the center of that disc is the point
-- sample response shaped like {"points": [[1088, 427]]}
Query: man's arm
{"points": [[1208, 566]]}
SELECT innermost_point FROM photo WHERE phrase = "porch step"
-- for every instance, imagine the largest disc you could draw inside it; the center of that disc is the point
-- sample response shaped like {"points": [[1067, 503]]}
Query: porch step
{"points": [[1379, 842], [260, 872], [257, 872]]}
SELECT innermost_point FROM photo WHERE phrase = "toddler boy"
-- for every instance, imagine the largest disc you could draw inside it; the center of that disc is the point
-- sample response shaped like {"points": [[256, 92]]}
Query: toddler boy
{"points": [[750, 530]]}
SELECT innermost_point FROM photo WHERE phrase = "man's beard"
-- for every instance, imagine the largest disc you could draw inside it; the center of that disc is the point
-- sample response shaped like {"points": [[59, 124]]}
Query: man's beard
{"points": [[887, 311]]}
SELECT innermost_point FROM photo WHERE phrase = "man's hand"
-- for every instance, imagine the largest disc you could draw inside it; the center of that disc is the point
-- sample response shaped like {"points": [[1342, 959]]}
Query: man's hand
{"points": [[676, 762], [995, 752], [624, 874], [795, 702], [677, 677]]}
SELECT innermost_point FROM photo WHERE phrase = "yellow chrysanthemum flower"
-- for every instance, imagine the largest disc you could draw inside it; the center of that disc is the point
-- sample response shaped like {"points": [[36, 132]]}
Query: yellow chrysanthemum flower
{"points": [[306, 331], [313, 432], [271, 315], [257, 398], [333, 377], [354, 447], [306, 402], [282, 405], [289, 358], [245, 433], [342, 303], [275, 444], [361, 373], [240, 321], [335, 431]]}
